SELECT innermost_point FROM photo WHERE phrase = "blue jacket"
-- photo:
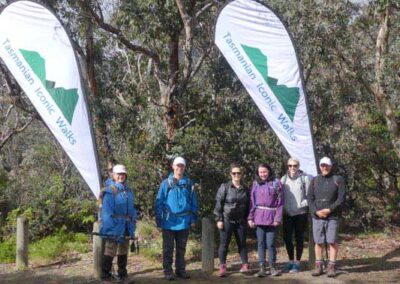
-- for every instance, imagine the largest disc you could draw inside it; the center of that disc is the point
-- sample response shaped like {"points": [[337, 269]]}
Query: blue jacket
{"points": [[176, 204], [118, 213]]}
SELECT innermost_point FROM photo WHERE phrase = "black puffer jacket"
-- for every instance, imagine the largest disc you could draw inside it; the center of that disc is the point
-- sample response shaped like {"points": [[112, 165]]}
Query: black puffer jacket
{"points": [[232, 203], [326, 192]]}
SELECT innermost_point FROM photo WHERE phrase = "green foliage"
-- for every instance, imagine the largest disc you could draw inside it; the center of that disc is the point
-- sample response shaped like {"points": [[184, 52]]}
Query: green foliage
{"points": [[216, 121], [58, 246], [49, 249], [150, 240], [8, 250]]}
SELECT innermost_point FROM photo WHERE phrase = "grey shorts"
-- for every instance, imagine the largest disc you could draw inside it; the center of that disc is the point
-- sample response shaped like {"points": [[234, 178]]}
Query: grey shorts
{"points": [[328, 228]]}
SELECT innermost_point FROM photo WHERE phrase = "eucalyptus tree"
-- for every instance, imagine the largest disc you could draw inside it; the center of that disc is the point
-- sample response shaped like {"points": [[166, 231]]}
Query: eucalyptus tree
{"points": [[173, 37]]}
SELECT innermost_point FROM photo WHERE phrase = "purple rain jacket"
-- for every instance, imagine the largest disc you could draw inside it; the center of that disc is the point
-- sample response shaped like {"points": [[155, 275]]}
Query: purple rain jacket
{"points": [[267, 199]]}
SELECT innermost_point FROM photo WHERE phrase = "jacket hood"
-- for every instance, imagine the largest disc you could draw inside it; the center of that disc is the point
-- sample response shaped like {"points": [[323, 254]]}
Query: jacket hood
{"points": [[110, 182], [182, 181]]}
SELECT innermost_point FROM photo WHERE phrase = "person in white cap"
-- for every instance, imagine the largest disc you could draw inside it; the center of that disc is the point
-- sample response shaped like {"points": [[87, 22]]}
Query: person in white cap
{"points": [[325, 198], [118, 223], [176, 212]]}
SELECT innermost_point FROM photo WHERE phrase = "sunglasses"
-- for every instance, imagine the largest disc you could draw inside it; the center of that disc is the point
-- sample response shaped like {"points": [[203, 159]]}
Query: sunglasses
{"points": [[236, 173], [292, 166]]}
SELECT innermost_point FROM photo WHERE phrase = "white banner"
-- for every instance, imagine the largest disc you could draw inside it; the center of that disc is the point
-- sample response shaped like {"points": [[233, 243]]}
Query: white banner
{"points": [[259, 49], [38, 53]]}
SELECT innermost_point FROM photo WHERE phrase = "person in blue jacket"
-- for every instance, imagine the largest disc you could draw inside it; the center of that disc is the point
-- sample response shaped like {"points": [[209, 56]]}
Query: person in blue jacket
{"points": [[118, 223], [176, 212]]}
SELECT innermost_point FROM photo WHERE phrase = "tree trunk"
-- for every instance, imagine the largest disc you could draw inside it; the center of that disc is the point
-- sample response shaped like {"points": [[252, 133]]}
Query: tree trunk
{"points": [[100, 129], [380, 90]]}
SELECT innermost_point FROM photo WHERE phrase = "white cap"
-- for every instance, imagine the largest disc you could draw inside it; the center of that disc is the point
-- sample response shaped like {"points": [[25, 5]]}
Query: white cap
{"points": [[119, 169], [179, 161], [326, 161]]}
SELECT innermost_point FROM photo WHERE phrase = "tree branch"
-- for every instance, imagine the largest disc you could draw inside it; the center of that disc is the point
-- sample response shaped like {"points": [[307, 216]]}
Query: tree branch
{"points": [[188, 26], [7, 137], [127, 43]]}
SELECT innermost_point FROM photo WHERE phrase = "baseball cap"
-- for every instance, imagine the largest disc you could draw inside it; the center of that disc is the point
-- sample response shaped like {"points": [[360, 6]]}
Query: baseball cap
{"points": [[326, 161], [179, 161], [119, 169]]}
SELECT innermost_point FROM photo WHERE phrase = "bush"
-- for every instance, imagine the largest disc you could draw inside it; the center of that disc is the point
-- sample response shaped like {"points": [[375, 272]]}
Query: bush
{"points": [[59, 246], [8, 250], [150, 239], [49, 249]]}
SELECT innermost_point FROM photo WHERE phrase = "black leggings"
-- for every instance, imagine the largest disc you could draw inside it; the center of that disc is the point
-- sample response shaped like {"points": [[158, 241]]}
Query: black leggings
{"points": [[298, 224], [239, 229]]}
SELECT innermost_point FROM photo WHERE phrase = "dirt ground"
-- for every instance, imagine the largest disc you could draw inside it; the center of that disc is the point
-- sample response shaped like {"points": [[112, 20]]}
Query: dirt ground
{"points": [[362, 259]]}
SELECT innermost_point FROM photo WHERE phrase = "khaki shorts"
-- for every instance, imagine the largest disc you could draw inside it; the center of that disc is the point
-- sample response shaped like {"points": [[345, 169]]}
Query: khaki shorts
{"points": [[112, 248]]}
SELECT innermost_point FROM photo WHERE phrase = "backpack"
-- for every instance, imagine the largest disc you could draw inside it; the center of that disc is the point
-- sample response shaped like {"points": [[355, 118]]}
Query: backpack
{"points": [[171, 185], [100, 200]]}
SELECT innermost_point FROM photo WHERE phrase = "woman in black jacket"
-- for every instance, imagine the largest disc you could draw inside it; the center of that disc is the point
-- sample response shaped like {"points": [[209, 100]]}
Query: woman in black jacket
{"points": [[231, 210]]}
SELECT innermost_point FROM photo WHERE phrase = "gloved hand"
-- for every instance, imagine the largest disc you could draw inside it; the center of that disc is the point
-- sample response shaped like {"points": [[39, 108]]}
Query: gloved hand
{"points": [[135, 246]]}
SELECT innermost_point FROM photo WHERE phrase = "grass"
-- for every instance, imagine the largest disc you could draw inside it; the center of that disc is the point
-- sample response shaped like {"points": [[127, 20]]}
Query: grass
{"points": [[7, 250], [59, 246], [150, 239]]}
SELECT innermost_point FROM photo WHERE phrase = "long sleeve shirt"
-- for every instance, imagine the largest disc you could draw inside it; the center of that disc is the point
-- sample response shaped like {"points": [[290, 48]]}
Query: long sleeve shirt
{"points": [[326, 192], [296, 189]]}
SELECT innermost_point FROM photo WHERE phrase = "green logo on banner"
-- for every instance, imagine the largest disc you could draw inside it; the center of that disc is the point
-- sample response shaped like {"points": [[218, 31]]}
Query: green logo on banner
{"points": [[66, 99], [287, 96]]}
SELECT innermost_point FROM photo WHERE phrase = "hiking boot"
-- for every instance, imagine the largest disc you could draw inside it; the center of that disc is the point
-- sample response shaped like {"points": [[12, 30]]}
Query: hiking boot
{"points": [[182, 274], [122, 261], [331, 270], [222, 270], [169, 277], [288, 266], [274, 271], [262, 272], [295, 268], [106, 265], [319, 270], [244, 268]]}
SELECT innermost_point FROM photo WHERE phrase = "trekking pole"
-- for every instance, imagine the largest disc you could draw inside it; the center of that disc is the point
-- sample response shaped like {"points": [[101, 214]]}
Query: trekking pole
{"points": [[326, 246]]}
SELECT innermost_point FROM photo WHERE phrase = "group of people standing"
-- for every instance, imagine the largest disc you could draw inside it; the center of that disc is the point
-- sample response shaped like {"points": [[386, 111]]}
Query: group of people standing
{"points": [[270, 203]]}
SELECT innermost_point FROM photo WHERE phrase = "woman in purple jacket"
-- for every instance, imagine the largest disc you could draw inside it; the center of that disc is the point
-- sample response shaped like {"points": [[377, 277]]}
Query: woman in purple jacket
{"points": [[266, 214]]}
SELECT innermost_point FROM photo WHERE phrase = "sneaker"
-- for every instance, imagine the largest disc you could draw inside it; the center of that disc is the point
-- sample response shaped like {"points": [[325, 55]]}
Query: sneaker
{"points": [[262, 272], [183, 275], [319, 270], [295, 268], [244, 268], [288, 267], [169, 277], [222, 270], [274, 271], [331, 270]]}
